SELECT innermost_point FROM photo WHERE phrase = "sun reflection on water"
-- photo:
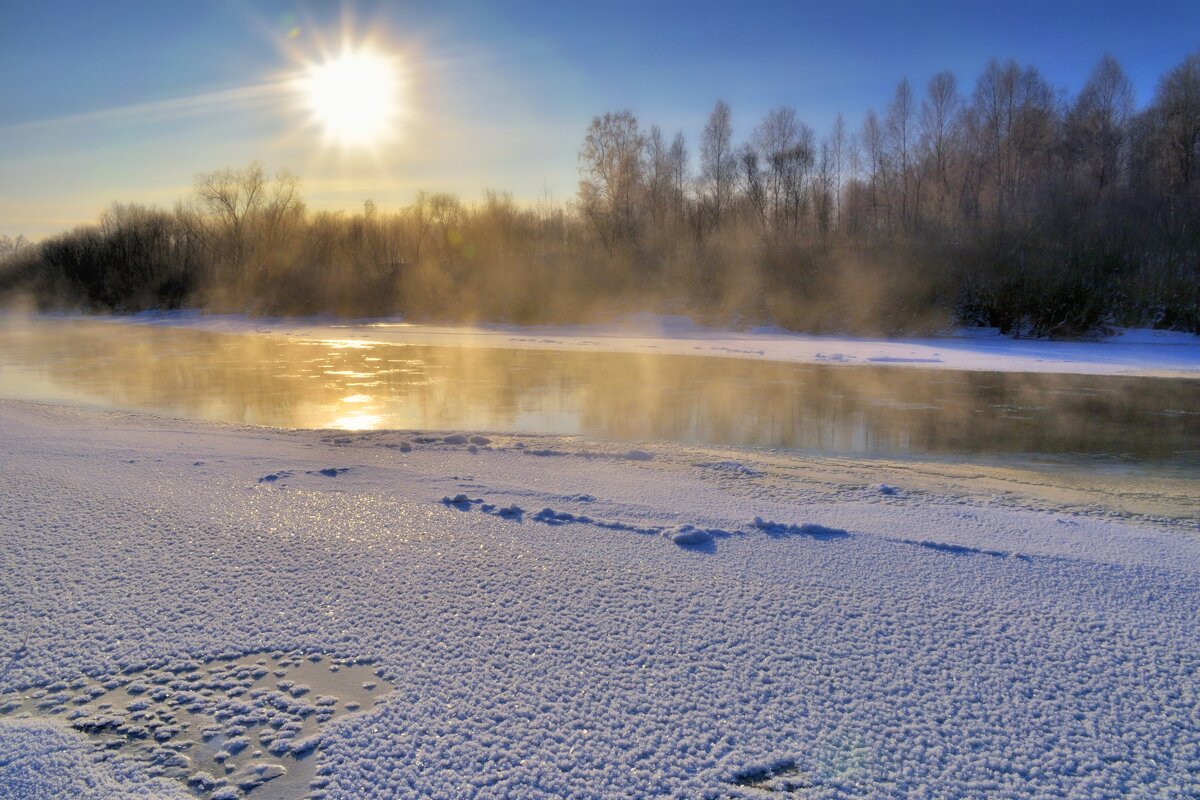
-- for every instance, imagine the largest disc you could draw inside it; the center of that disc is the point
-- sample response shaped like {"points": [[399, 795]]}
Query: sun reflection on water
{"points": [[357, 421], [359, 385]]}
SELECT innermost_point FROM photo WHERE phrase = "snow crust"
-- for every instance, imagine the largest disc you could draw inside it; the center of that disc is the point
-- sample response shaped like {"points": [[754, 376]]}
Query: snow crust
{"points": [[1124, 352], [698, 623], [40, 759]]}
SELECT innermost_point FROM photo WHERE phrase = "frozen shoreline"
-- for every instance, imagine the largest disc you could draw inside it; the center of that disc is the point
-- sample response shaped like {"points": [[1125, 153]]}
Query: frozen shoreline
{"points": [[955, 627], [1147, 353]]}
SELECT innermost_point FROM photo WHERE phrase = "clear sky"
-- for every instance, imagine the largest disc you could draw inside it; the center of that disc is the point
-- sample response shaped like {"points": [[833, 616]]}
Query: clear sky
{"points": [[124, 100]]}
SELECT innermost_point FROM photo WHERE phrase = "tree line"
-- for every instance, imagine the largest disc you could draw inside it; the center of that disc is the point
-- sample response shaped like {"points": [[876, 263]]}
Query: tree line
{"points": [[1007, 204]]}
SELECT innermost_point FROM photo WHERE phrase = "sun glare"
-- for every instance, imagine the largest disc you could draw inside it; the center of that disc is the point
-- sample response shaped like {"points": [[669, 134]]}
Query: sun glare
{"points": [[355, 97]]}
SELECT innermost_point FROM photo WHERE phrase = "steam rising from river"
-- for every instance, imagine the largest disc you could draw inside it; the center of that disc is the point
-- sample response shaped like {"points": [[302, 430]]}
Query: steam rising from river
{"points": [[355, 384]]}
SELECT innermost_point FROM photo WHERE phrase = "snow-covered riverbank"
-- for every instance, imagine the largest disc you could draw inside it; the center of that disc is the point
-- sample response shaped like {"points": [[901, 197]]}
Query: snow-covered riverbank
{"points": [[590, 620], [1127, 352]]}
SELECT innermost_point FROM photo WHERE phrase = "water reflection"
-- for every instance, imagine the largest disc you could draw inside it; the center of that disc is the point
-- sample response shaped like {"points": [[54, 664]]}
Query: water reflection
{"points": [[360, 385]]}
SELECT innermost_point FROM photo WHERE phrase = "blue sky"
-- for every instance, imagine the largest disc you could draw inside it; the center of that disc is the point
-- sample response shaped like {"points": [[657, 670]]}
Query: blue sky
{"points": [[129, 100]]}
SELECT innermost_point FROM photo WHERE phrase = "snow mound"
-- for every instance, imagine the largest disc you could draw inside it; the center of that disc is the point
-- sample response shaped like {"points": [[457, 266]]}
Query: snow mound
{"points": [[688, 536]]}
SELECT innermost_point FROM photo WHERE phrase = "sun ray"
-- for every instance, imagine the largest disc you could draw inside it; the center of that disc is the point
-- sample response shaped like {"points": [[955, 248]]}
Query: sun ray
{"points": [[265, 95]]}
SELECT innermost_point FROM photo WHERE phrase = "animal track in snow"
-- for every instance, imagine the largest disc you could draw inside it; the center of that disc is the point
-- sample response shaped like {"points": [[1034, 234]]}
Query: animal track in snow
{"points": [[809, 529]]}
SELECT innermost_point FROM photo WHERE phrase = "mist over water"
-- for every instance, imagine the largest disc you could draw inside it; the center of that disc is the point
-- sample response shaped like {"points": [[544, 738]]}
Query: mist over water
{"points": [[357, 385]]}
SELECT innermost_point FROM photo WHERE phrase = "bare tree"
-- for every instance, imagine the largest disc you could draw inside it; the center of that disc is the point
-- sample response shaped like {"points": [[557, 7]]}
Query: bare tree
{"points": [[825, 188], [281, 207], [446, 214], [837, 155], [1177, 107], [10, 246], [610, 172], [753, 184], [657, 175], [898, 129], [228, 196], [680, 173], [717, 162], [1015, 116], [875, 164], [1097, 126], [229, 202], [938, 130], [772, 142], [796, 165]]}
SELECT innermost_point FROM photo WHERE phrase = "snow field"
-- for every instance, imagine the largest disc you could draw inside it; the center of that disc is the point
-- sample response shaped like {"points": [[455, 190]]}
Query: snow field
{"points": [[848, 643]]}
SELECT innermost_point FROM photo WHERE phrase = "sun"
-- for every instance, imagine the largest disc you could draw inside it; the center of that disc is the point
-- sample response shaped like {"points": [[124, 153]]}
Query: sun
{"points": [[355, 97]]}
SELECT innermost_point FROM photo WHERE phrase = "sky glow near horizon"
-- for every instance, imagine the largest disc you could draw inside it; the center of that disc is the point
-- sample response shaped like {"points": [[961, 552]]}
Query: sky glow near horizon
{"points": [[127, 101]]}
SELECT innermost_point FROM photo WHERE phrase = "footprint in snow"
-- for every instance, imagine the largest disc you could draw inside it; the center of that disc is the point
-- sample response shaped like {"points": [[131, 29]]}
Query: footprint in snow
{"points": [[328, 472], [513, 512], [551, 517], [809, 529], [686, 536], [965, 550], [460, 501], [783, 776]]}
